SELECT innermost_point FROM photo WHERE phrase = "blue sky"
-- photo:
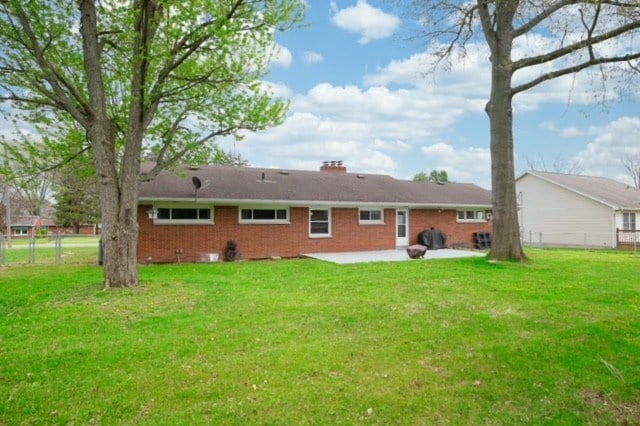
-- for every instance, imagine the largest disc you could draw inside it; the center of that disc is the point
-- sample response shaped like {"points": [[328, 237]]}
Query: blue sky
{"points": [[359, 93]]}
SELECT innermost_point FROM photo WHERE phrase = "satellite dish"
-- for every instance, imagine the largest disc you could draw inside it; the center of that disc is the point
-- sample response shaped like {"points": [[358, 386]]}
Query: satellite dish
{"points": [[196, 182]]}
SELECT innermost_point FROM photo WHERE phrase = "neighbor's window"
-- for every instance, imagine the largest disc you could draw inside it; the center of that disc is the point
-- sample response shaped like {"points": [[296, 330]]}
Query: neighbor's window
{"points": [[371, 216], [473, 215], [20, 230], [629, 221], [184, 215], [319, 222], [261, 215]]}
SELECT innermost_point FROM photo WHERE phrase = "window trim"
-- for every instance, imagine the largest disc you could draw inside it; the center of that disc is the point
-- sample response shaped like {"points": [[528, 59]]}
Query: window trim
{"points": [[328, 221], [479, 215], [371, 221], [199, 207], [626, 222], [275, 221]]}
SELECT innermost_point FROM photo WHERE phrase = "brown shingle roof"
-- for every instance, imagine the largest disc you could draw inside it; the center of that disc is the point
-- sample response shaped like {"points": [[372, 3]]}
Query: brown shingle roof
{"points": [[604, 190], [25, 221], [226, 184]]}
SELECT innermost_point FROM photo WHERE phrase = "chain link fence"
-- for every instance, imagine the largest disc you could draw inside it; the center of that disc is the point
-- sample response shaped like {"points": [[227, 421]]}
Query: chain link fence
{"points": [[53, 249], [586, 240]]}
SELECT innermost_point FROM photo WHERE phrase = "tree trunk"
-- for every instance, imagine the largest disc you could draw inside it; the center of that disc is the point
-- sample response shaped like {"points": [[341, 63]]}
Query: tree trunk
{"points": [[120, 243], [119, 206], [118, 190], [505, 243]]}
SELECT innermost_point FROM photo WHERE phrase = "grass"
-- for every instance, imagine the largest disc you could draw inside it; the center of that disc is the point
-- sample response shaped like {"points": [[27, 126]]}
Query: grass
{"points": [[555, 340], [74, 250]]}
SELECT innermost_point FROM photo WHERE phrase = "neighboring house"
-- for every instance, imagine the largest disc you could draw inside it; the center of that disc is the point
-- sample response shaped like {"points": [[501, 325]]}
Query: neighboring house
{"points": [[571, 210], [29, 226], [83, 229], [287, 213]]}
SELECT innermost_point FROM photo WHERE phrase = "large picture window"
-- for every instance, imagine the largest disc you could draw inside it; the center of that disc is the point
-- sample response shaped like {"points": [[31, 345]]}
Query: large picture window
{"points": [[184, 215], [319, 222], [473, 215], [371, 216], [262, 215]]}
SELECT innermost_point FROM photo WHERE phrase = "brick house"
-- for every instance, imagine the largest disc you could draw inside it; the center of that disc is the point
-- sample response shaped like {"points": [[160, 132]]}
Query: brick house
{"points": [[30, 226], [187, 213]]}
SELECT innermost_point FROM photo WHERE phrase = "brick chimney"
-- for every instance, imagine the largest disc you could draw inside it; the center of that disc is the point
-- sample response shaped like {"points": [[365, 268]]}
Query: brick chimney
{"points": [[333, 166]]}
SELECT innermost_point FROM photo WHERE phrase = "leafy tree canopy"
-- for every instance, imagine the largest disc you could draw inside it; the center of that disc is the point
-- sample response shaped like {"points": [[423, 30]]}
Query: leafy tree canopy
{"points": [[132, 77], [434, 176]]}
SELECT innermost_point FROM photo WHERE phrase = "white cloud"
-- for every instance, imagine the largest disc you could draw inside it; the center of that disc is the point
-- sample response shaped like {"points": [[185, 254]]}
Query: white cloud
{"points": [[609, 145], [470, 164], [282, 57], [549, 125], [571, 132], [369, 22], [311, 57], [278, 90], [467, 74], [566, 132], [392, 145], [374, 130], [394, 123]]}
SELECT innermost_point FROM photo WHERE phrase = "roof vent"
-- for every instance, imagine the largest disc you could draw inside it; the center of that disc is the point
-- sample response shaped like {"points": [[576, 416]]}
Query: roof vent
{"points": [[264, 179]]}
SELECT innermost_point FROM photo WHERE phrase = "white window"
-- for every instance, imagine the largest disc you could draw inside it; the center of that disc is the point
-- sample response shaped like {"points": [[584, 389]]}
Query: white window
{"points": [[20, 230], [371, 216], [184, 215], [264, 215], [319, 222], [629, 221], [473, 215]]}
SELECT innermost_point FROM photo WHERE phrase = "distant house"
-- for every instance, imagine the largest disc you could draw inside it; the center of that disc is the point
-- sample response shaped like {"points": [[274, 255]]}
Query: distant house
{"points": [[571, 210], [188, 213], [30, 226]]}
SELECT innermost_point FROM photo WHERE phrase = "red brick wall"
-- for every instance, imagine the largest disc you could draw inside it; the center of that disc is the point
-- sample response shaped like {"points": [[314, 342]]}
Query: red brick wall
{"points": [[446, 221], [158, 243]]}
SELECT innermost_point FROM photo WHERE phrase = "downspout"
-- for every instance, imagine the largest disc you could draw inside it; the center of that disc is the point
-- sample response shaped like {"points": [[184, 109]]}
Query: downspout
{"points": [[614, 238]]}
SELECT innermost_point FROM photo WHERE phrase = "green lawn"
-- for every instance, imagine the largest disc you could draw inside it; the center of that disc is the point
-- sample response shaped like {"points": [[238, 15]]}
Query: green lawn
{"points": [[556, 340], [74, 250]]}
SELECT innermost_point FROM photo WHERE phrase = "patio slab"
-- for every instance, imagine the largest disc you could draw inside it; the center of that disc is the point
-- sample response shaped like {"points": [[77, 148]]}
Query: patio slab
{"points": [[390, 255]]}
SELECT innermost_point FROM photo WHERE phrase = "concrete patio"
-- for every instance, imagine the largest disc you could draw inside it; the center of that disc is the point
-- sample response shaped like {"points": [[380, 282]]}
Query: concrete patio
{"points": [[390, 255]]}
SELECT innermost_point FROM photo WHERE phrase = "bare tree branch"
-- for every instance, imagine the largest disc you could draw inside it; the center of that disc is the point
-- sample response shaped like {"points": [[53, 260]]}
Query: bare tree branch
{"points": [[572, 48], [632, 164], [570, 70]]}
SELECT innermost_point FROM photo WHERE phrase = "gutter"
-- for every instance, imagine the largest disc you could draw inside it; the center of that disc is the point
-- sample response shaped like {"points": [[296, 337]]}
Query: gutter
{"points": [[307, 203]]}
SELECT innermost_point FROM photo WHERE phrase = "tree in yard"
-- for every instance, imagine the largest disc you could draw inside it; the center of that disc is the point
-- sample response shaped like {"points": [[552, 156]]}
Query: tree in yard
{"points": [[559, 165], [421, 177], [434, 176], [76, 194], [632, 164], [34, 192], [138, 75], [206, 153], [569, 36], [438, 176]]}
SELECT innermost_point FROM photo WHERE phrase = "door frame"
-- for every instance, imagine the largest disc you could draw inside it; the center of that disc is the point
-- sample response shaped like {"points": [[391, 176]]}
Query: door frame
{"points": [[402, 241]]}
